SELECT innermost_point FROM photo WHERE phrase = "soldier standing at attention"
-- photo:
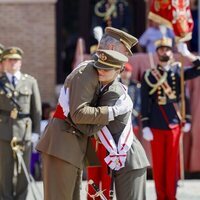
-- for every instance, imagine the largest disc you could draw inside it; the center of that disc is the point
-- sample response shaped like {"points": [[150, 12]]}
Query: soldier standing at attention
{"points": [[20, 114], [160, 94], [1, 51]]}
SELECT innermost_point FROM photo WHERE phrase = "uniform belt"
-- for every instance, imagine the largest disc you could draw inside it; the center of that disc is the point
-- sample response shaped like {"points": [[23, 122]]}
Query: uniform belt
{"points": [[19, 115]]}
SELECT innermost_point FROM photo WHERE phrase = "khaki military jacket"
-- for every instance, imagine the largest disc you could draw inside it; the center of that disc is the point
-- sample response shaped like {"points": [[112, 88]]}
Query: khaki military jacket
{"points": [[27, 96], [62, 139], [136, 156]]}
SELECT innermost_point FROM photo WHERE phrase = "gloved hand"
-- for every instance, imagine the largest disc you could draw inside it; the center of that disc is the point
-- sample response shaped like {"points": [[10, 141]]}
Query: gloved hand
{"points": [[123, 105], [183, 49], [34, 139], [64, 100], [147, 134], [98, 33], [186, 127]]}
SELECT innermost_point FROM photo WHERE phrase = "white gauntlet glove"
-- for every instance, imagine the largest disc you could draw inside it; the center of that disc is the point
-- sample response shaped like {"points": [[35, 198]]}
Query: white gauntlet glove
{"points": [[64, 100], [34, 139], [147, 134], [186, 127], [183, 49], [123, 105]]}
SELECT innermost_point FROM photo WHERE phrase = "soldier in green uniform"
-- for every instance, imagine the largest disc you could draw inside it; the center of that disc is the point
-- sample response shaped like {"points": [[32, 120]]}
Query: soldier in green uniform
{"points": [[126, 158], [1, 51], [20, 114]]}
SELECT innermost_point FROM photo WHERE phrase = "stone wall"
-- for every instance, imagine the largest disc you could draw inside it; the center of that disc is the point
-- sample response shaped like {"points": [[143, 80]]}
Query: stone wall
{"points": [[30, 25]]}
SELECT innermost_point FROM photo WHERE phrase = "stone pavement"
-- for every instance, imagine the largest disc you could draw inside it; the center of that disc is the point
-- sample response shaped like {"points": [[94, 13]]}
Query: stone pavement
{"points": [[188, 190]]}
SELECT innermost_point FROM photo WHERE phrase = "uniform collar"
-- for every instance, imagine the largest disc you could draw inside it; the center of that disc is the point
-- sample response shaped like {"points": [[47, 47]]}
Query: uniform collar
{"points": [[17, 75], [164, 68]]}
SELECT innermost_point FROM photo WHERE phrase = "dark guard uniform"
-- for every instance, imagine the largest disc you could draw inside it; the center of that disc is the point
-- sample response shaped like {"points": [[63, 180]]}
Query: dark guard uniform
{"points": [[160, 94]]}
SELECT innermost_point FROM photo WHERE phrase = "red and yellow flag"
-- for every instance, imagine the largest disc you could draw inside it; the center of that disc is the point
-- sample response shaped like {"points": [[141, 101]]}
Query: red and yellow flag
{"points": [[174, 14]]}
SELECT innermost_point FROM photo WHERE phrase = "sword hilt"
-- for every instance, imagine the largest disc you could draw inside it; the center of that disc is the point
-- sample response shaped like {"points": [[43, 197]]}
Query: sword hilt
{"points": [[99, 193], [91, 182]]}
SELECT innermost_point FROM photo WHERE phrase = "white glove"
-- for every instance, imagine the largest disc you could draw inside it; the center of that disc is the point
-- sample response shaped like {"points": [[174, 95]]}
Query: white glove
{"points": [[34, 139], [183, 49], [64, 100], [98, 32], [186, 127], [147, 134], [123, 105]]}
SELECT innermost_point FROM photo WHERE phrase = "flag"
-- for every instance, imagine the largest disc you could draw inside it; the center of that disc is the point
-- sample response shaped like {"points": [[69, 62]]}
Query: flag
{"points": [[174, 14]]}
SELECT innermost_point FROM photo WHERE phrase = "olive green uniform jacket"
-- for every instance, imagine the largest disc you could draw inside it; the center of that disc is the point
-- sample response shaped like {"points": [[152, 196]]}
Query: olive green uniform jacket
{"points": [[130, 181], [27, 96], [61, 138]]}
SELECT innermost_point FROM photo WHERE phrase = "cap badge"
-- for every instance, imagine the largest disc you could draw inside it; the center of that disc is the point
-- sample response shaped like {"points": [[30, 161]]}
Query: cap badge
{"points": [[103, 57], [13, 51]]}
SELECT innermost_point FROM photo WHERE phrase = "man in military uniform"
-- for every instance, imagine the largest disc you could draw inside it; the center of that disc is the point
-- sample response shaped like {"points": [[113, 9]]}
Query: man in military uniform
{"points": [[129, 174], [160, 94], [62, 166], [1, 51], [20, 111]]}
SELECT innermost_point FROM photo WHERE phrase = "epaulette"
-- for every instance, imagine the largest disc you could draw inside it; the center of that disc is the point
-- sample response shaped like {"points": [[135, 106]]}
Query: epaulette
{"points": [[29, 76]]}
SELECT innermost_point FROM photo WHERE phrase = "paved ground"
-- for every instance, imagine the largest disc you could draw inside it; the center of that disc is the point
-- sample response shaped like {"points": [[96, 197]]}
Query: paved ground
{"points": [[188, 190]]}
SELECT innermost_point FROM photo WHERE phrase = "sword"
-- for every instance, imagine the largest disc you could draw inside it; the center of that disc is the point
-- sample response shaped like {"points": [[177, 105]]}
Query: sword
{"points": [[99, 193], [18, 152]]}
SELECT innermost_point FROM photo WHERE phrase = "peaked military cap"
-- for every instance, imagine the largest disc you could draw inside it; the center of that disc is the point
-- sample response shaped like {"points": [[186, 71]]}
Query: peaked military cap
{"points": [[164, 42], [12, 53], [109, 59], [128, 40]]}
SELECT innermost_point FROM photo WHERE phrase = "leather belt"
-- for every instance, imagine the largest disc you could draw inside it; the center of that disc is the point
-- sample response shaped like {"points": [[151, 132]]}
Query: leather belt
{"points": [[18, 116]]}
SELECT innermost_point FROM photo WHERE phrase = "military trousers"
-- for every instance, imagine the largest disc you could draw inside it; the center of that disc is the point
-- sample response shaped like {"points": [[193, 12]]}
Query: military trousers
{"points": [[130, 185], [62, 180], [8, 190], [165, 157]]}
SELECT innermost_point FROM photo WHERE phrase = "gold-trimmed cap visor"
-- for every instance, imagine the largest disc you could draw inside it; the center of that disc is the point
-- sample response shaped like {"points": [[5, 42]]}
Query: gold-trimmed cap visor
{"points": [[12, 53], [109, 59]]}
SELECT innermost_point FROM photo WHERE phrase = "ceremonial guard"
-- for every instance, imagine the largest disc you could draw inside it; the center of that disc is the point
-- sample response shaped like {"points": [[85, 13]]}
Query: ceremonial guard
{"points": [[20, 111], [161, 119]]}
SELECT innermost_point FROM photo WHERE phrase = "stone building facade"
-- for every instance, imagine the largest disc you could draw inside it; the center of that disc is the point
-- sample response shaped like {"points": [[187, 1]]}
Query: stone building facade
{"points": [[30, 25]]}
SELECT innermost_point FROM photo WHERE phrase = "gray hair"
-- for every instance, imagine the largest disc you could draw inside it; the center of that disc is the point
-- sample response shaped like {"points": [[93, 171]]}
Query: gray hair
{"points": [[107, 40]]}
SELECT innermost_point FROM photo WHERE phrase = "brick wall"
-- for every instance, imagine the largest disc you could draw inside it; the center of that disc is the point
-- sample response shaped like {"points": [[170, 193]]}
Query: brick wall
{"points": [[30, 25]]}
